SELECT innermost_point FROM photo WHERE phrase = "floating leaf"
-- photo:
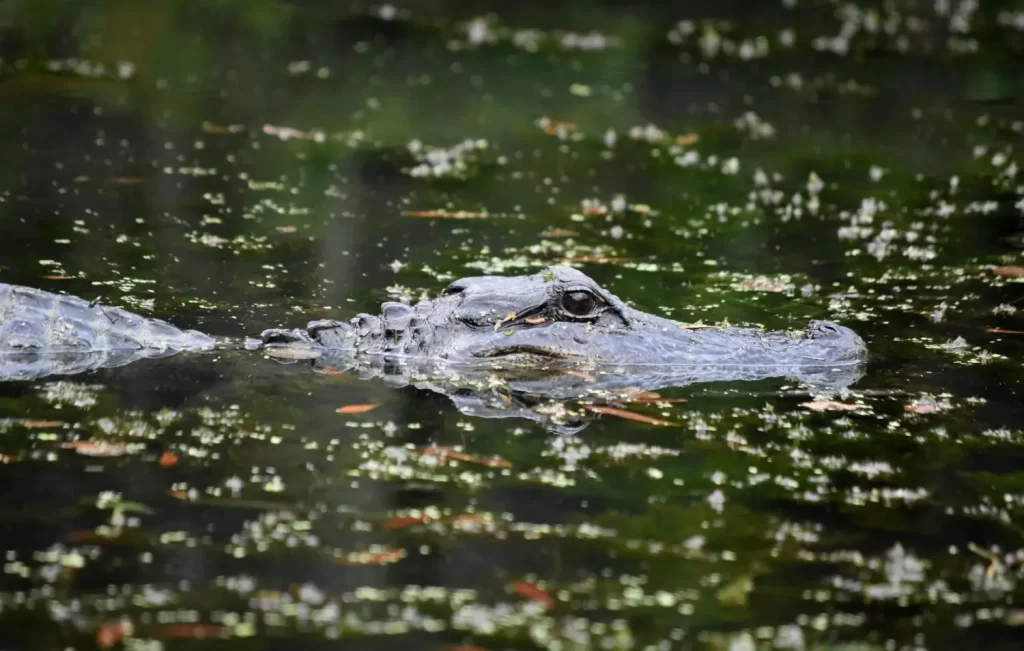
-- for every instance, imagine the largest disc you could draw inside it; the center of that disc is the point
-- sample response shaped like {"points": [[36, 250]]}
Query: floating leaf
{"points": [[1009, 272], [287, 133], [168, 460], [630, 394], [97, 448], [826, 405], [1001, 331], [553, 127], [446, 214], [467, 518], [736, 592], [1014, 618], [642, 397], [534, 593], [629, 415], [396, 524], [41, 424], [134, 507], [111, 633], [85, 536], [763, 284], [357, 409], [994, 563], [920, 408], [382, 557], [188, 631], [443, 453], [210, 127]]}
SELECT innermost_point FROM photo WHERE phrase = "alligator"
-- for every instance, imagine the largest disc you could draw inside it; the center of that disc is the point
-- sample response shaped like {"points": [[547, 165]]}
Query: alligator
{"points": [[556, 333]]}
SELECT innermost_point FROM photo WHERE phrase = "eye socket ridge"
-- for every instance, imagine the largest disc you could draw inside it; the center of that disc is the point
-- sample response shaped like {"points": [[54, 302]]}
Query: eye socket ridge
{"points": [[580, 303], [454, 288]]}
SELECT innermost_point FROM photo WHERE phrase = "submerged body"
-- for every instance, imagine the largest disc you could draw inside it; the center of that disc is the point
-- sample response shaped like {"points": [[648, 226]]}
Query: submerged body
{"points": [[52, 334], [558, 317]]}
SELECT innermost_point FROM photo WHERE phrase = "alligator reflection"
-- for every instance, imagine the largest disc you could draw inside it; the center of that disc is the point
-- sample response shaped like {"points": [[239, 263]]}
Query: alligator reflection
{"points": [[561, 398], [557, 396]]}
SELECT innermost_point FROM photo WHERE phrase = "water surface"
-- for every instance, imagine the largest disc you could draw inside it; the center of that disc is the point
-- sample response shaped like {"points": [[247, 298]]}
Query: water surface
{"points": [[237, 166]]}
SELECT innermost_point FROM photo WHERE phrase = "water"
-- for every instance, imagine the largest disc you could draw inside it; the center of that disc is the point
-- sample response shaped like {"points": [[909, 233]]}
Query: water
{"points": [[237, 166]]}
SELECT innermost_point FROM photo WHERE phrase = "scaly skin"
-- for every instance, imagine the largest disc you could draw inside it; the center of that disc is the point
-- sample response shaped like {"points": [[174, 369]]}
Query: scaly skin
{"points": [[556, 319], [523, 318], [50, 334]]}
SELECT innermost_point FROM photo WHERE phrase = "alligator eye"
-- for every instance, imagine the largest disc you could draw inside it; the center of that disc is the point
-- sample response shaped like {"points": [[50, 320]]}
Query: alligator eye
{"points": [[579, 303]]}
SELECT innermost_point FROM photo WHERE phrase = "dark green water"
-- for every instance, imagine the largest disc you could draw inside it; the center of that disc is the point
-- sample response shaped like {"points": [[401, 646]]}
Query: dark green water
{"points": [[762, 163]]}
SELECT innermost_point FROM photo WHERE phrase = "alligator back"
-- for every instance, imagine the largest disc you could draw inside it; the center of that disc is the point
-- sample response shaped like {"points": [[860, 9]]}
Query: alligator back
{"points": [[41, 323]]}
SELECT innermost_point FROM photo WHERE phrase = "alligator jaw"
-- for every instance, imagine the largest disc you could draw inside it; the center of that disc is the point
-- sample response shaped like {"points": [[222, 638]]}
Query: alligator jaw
{"points": [[517, 350], [650, 340]]}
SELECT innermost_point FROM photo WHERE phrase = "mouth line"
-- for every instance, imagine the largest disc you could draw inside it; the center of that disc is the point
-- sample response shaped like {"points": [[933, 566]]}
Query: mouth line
{"points": [[523, 349]]}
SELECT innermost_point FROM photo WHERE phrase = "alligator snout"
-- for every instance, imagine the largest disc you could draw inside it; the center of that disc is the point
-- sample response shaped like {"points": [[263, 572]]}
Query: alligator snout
{"points": [[837, 344]]}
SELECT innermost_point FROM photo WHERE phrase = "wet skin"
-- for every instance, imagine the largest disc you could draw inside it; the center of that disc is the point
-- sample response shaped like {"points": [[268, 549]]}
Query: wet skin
{"points": [[558, 317]]}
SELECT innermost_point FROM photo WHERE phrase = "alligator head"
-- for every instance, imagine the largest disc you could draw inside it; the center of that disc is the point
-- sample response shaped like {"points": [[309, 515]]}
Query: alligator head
{"points": [[562, 315], [502, 347]]}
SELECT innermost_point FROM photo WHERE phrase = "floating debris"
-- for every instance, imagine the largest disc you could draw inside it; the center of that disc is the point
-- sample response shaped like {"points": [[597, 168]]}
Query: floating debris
{"points": [[629, 415], [446, 214], [830, 405], [356, 409]]}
